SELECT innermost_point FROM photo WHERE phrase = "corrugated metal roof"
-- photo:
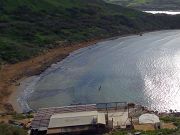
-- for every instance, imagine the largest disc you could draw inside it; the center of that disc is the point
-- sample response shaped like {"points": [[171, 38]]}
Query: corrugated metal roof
{"points": [[76, 119]]}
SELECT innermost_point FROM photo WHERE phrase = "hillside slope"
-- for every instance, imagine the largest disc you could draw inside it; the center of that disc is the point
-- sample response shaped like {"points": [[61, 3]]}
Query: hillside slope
{"points": [[29, 27], [149, 4]]}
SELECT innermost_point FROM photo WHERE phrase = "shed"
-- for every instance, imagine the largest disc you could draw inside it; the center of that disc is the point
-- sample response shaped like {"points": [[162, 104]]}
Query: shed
{"points": [[75, 122], [148, 119]]}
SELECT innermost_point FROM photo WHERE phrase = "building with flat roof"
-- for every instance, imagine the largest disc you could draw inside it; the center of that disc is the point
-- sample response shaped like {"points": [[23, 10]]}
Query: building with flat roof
{"points": [[75, 122]]}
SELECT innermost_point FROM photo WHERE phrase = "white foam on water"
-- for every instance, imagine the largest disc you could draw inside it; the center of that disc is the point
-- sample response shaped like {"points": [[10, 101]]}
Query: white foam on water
{"points": [[164, 12]]}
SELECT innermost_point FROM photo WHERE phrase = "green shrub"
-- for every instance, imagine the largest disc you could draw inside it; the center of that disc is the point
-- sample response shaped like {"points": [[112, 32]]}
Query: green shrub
{"points": [[174, 119], [30, 26], [19, 116], [11, 130]]}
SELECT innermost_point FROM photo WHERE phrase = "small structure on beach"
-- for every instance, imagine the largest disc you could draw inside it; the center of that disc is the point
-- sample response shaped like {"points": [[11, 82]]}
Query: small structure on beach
{"points": [[148, 122], [148, 119], [76, 122]]}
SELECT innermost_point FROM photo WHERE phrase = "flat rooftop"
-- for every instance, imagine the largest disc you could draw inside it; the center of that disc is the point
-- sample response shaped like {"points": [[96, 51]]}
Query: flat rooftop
{"points": [[76, 119]]}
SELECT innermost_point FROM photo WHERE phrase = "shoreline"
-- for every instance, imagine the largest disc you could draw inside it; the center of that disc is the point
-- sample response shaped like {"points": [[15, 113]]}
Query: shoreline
{"points": [[37, 65], [66, 51], [12, 75], [13, 98]]}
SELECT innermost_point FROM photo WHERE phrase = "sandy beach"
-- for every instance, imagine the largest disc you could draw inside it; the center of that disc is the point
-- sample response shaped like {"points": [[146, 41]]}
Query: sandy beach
{"points": [[14, 96], [11, 75]]}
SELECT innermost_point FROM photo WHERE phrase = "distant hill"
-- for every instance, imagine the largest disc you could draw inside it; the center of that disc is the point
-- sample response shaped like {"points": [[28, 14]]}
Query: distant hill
{"points": [[149, 4], [28, 27]]}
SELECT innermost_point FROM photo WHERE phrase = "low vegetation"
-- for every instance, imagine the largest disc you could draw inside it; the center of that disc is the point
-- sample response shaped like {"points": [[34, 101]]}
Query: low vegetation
{"points": [[157, 132], [18, 116], [28, 27], [11, 130]]}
